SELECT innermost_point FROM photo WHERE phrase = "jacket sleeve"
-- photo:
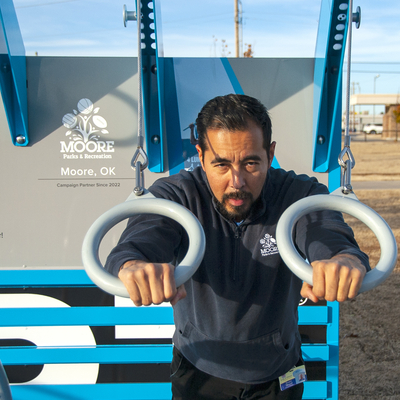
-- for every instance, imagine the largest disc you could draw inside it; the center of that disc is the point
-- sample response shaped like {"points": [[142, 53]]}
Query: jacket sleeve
{"points": [[151, 238], [156, 238], [323, 234]]}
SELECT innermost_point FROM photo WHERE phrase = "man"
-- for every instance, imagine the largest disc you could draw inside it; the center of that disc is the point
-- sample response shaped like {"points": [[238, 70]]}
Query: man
{"points": [[236, 318]]}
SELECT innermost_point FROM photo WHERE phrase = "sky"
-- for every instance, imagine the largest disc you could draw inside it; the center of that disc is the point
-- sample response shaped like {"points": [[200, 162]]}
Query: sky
{"points": [[205, 28]]}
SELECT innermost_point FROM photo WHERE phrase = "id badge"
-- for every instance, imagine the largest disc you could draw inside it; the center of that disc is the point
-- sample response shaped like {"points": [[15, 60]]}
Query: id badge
{"points": [[293, 377]]}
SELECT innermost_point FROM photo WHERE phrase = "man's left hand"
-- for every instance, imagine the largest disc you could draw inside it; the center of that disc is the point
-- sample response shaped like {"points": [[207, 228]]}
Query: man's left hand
{"points": [[339, 278]]}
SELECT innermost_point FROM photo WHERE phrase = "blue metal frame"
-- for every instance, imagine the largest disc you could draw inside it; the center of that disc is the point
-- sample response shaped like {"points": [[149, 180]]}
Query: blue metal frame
{"points": [[329, 56], [13, 82], [153, 84], [116, 354]]}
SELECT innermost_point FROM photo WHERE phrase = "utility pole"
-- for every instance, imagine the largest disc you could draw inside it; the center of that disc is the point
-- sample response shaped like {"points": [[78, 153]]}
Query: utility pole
{"points": [[236, 2], [353, 91], [375, 78]]}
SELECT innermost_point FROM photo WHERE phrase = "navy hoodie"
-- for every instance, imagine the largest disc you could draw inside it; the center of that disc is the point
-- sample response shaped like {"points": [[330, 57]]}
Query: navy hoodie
{"points": [[239, 319]]}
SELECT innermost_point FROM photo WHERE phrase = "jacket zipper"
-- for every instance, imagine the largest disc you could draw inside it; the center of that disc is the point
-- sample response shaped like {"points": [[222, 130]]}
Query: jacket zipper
{"points": [[238, 235]]}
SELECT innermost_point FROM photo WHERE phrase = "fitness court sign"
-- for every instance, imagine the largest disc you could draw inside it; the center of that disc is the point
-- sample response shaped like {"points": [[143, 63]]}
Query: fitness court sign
{"points": [[85, 132]]}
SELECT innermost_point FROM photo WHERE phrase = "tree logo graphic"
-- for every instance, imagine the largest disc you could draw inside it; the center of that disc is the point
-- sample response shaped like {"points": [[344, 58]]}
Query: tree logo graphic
{"points": [[85, 124], [268, 245]]}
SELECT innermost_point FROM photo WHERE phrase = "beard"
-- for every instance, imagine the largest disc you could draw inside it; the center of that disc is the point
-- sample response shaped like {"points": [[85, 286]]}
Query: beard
{"points": [[236, 213]]}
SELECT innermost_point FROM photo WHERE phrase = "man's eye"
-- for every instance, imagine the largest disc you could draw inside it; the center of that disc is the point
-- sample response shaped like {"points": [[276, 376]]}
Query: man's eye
{"points": [[221, 168]]}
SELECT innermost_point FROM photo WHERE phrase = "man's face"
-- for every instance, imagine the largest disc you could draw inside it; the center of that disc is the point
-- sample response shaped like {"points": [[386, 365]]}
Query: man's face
{"points": [[236, 165]]}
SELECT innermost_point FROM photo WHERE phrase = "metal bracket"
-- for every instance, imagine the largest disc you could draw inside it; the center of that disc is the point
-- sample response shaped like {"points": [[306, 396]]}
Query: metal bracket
{"points": [[152, 82], [357, 17], [13, 82], [128, 15]]}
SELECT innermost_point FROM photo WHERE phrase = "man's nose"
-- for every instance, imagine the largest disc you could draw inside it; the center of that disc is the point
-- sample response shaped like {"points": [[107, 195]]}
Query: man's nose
{"points": [[237, 179]]}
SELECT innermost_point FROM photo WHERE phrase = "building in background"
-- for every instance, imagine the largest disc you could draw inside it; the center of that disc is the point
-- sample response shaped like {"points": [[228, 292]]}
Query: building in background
{"points": [[358, 121]]}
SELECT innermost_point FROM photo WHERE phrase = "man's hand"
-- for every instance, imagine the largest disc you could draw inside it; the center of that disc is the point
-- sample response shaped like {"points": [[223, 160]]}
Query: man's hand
{"points": [[339, 278], [149, 283]]}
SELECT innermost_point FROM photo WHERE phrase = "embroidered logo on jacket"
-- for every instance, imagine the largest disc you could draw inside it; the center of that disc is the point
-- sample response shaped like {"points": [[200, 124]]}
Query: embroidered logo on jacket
{"points": [[268, 245]]}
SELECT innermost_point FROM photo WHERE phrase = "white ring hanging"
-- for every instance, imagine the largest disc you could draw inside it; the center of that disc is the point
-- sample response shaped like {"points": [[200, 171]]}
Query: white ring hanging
{"points": [[335, 202], [146, 204]]}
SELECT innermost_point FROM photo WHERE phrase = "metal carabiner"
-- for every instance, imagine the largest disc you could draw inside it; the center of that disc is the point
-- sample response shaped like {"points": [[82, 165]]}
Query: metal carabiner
{"points": [[139, 168], [346, 167], [140, 152]]}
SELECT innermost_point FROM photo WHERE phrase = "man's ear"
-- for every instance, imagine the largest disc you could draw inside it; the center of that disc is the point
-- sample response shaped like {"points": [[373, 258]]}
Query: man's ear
{"points": [[271, 153], [201, 155]]}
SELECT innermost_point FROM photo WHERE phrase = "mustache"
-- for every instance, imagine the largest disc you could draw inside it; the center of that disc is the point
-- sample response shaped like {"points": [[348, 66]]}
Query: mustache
{"points": [[239, 195]]}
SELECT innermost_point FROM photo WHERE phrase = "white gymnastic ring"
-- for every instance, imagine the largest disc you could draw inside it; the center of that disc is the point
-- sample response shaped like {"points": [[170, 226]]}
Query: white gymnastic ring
{"points": [[148, 205], [386, 239]]}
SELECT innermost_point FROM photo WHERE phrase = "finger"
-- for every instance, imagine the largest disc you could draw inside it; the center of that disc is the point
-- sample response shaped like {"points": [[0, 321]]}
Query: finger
{"points": [[155, 277], [319, 280], [162, 283], [332, 278], [307, 292], [170, 289], [349, 284], [141, 279], [180, 294], [357, 277], [131, 286], [344, 285]]}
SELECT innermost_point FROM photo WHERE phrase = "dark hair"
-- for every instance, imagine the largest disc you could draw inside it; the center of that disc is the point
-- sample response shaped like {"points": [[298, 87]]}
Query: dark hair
{"points": [[233, 113]]}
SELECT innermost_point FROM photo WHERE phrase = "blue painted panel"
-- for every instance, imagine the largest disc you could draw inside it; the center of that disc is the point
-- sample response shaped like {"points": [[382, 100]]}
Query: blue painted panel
{"points": [[315, 352], [124, 354], [13, 73], [132, 391], [315, 390], [44, 278], [93, 316], [313, 315], [332, 337]]}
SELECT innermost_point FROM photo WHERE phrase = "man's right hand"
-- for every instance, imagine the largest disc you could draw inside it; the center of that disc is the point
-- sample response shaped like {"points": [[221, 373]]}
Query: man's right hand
{"points": [[149, 283]]}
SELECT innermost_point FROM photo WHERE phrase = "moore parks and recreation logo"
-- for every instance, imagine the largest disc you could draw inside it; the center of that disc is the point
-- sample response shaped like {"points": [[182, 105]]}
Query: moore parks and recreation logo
{"points": [[268, 245], [85, 133]]}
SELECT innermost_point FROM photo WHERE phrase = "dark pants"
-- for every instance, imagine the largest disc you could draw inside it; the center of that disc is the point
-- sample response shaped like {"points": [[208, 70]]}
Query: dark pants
{"points": [[188, 383]]}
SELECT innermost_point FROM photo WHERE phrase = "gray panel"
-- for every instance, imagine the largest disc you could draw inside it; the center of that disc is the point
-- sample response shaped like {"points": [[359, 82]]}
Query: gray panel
{"points": [[54, 189]]}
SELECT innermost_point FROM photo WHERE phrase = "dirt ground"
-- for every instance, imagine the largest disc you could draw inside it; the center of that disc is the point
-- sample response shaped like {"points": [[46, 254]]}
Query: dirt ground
{"points": [[369, 366]]}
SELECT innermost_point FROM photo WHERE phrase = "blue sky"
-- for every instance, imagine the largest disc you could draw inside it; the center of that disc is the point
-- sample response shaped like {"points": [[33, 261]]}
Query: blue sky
{"points": [[196, 28]]}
